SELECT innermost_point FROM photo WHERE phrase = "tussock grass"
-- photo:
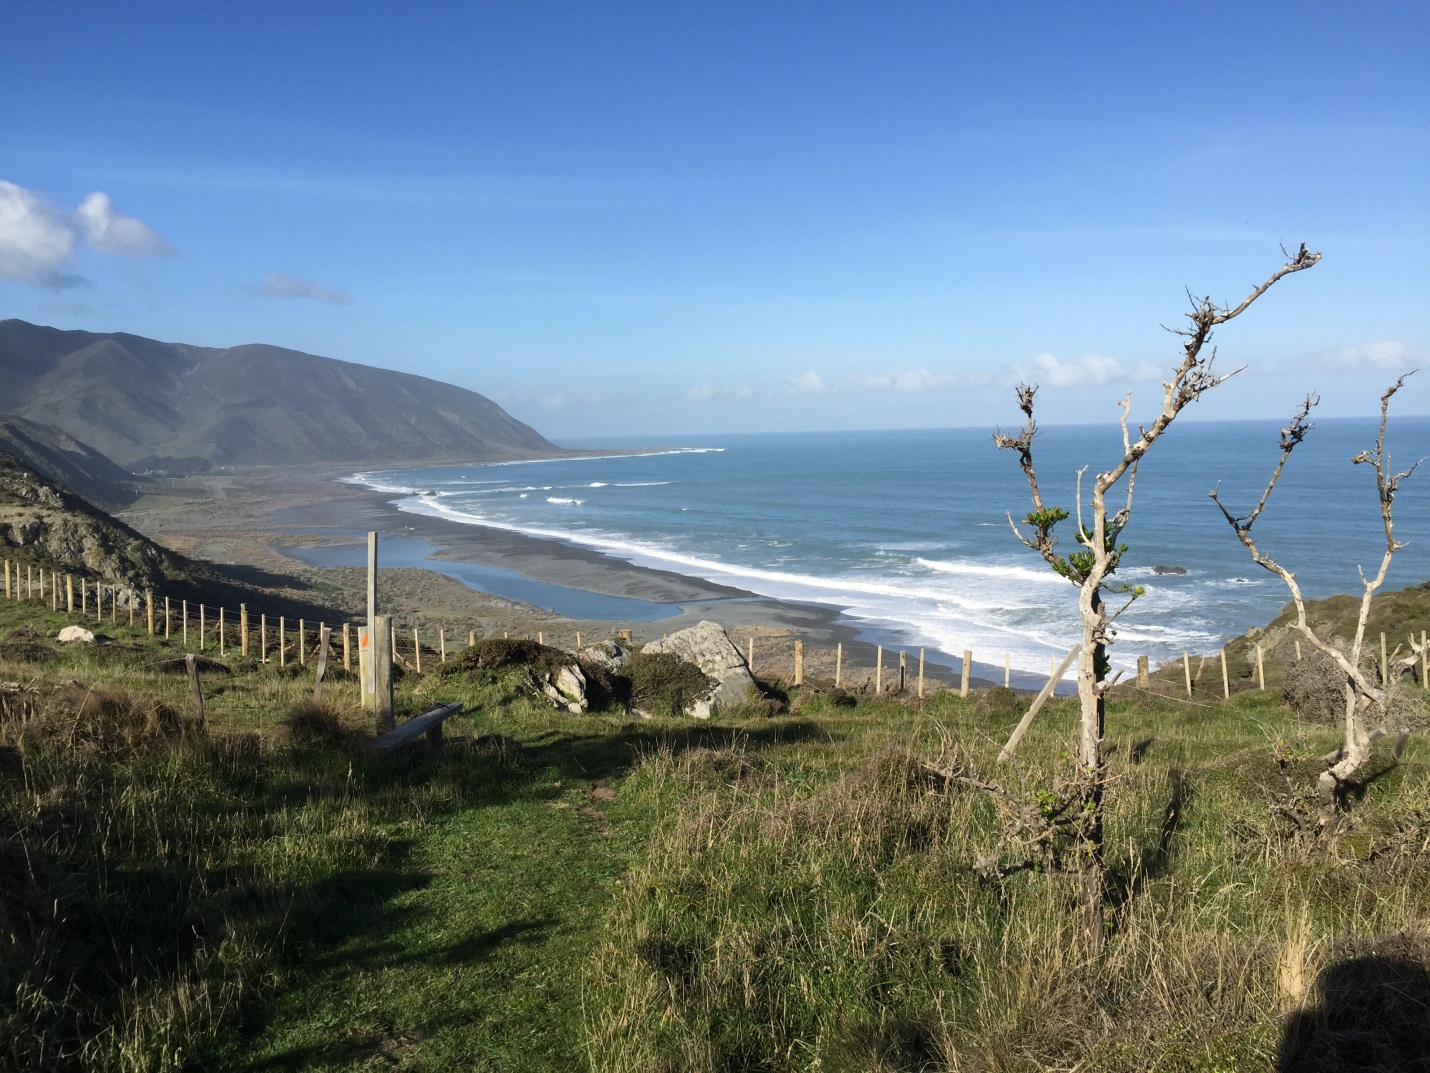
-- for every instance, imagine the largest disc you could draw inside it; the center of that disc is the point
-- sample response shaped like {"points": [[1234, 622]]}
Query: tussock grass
{"points": [[771, 890]]}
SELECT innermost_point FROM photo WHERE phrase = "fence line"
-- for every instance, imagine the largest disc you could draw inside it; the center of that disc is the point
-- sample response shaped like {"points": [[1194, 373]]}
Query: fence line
{"points": [[783, 656]]}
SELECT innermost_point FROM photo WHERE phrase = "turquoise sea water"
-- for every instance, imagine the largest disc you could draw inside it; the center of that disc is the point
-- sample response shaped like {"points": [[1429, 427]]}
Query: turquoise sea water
{"points": [[907, 531]]}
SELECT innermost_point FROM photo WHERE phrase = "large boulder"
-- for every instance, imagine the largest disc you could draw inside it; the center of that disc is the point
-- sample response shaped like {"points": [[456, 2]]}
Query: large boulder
{"points": [[76, 634], [607, 655], [707, 646]]}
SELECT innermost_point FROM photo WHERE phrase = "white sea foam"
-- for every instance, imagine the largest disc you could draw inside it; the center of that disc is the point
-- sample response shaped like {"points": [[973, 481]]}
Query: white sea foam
{"points": [[565, 501], [597, 484]]}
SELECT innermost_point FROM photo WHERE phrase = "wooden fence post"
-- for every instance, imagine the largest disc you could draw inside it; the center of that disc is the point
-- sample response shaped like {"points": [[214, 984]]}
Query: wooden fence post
{"points": [[83, 596], [167, 622], [578, 640], [1187, 670], [921, 674], [69, 594], [324, 635], [417, 650], [191, 664], [903, 671], [1225, 684], [282, 641], [1143, 677], [202, 626], [1384, 662], [878, 670], [302, 643], [365, 685], [1260, 670], [149, 599], [798, 662], [347, 654], [967, 672], [839, 665], [1054, 675], [262, 637], [184, 614], [7, 579], [382, 673], [750, 658], [243, 629], [1424, 662], [442, 644]]}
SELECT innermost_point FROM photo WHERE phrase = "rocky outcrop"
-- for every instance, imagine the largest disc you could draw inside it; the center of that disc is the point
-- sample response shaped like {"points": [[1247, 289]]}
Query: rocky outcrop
{"points": [[566, 688], [607, 655], [707, 646]]}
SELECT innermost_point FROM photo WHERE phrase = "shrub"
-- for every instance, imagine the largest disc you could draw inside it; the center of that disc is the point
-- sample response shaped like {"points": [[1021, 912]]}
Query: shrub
{"points": [[663, 683]]}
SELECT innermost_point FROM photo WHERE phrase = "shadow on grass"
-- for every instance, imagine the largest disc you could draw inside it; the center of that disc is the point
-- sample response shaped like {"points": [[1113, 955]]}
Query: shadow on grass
{"points": [[1372, 1014]]}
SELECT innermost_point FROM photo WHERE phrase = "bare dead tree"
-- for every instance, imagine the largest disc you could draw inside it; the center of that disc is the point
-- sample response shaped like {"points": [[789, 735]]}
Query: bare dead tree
{"points": [[1364, 697], [1091, 567]]}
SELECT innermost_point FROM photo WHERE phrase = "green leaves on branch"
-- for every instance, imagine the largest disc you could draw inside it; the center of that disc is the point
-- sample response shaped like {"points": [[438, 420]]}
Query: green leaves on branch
{"points": [[1078, 565]]}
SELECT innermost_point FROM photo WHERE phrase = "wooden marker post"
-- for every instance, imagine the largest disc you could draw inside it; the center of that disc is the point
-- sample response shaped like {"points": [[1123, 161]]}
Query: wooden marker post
{"points": [[921, 674], [369, 699], [262, 638], [878, 670], [7, 579], [1007, 670], [750, 658], [29, 582], [1260, 670], [167, 622], [839, 665], [1384, 663], [222, 641], [368, 644], [83, 596], [202, 625], [324, 635], [302, 643], [184, 615], [1225, 684], [798, 662], [541, 637], [347, 653], [149, 600], [472, 638], [903, 671], [1143, 677], [967, 672], [417, 650], [191, 664], [578, 640], [282, 642], [382, 673], [442, 645], [69, 594], [1187, 670], [243, 630]]}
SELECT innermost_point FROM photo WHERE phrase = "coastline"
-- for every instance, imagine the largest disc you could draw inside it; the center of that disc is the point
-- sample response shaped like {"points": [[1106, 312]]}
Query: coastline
{"points": [[268, 519]]}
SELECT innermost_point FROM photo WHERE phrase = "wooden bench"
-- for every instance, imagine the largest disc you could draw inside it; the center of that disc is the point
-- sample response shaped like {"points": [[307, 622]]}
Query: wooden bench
{"points": [[428, 722]]}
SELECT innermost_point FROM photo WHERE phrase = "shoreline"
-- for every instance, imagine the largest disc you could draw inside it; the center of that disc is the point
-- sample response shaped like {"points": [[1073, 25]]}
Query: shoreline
{"points": [[239, 517]]}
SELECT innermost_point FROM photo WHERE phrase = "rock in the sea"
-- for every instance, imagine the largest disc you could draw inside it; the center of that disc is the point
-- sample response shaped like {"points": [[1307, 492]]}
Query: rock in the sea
{"points": [[1162, 569], [708, 647], [76, 633], [567, 689]]}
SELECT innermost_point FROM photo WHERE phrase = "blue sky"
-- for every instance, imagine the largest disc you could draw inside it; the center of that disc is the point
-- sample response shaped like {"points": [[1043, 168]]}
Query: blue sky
{"points": [[656, 218]]}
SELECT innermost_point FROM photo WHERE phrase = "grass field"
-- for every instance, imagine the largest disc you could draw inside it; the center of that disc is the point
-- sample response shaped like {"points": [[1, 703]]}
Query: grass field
{"points": [[786, 891]]}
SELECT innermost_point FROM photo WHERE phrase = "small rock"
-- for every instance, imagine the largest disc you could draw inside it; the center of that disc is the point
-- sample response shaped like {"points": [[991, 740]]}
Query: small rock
{"points": [[567, 689], [606, 654], [76, 633], [1169, 569]]}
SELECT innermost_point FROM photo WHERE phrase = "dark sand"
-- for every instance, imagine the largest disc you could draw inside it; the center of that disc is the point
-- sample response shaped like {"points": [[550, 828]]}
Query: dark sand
{"points": [[259, 518]]}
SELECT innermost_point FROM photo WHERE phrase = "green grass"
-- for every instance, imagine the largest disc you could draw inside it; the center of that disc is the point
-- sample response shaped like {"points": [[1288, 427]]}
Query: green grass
{"points": [[778, 892]]}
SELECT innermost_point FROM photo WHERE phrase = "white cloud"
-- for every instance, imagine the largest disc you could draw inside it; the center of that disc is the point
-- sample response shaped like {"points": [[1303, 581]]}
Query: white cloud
{"points": [[1384, 356], [38, 242], [1090, 370], [713, 393], [282, 285], [108, 231], [808, 383]]}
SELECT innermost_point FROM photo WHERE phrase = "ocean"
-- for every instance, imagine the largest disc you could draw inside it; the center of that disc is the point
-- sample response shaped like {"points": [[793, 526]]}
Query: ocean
{"points": [[907, 531]]}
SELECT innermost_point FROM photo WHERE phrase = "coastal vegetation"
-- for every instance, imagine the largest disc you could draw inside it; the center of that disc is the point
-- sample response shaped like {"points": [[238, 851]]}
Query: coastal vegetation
{"points": [[788, 886]]}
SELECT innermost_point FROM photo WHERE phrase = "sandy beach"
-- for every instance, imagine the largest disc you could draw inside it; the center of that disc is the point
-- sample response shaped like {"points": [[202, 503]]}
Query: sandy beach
{"points": [[285, 521]]}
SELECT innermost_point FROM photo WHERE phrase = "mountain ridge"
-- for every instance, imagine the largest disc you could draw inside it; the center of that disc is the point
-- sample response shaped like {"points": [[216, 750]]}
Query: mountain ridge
{"points": [[175, 404]]}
